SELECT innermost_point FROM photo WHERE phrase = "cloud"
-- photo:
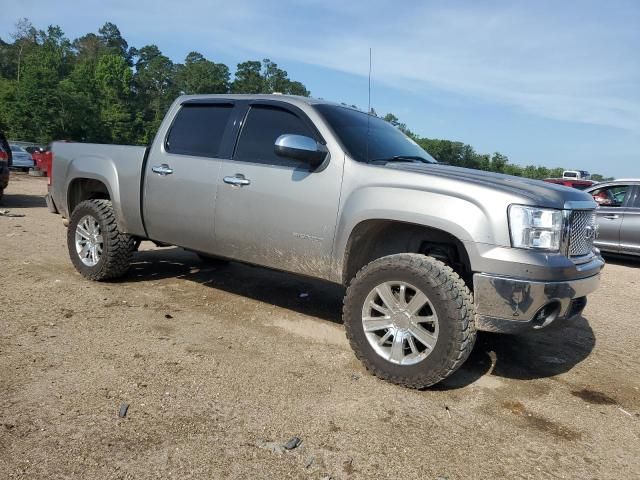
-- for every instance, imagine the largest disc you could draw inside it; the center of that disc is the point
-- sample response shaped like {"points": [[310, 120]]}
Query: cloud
{"points": [[575, 62], [552, 67]]}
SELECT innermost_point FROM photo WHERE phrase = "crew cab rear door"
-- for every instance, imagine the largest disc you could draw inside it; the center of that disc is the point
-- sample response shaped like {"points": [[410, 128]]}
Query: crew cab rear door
{"points": [[182, 173], [274, 211]]}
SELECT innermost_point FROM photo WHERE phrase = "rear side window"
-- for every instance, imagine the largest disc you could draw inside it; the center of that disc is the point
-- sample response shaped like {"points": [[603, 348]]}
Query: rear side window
{"points": [[198, 129], [636, 201], [264, 124]]}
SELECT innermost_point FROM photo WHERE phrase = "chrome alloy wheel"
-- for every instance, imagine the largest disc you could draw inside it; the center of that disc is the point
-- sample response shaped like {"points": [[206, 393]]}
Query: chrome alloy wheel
{"points": [[89, 241], [400, 323]]}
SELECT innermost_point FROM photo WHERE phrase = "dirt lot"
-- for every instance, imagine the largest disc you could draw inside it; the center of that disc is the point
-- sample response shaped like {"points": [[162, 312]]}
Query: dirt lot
{"points": [[218, 362]]}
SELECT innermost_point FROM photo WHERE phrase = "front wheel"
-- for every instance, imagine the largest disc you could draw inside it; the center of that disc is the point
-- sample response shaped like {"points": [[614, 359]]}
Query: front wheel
{"points": [[97, 248], [410, 319]]}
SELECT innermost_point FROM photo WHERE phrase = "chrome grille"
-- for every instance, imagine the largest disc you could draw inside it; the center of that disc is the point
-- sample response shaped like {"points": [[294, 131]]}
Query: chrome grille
{"points": [[582, 233]]}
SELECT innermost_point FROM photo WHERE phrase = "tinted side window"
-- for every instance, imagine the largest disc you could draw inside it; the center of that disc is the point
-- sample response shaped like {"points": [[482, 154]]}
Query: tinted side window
{"points": [[198, 129], [610, 196], [264, 124]]}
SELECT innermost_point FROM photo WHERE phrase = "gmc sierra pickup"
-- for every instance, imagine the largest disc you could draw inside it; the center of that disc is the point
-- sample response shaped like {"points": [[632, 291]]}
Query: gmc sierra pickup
{"points": [[429, 253]]}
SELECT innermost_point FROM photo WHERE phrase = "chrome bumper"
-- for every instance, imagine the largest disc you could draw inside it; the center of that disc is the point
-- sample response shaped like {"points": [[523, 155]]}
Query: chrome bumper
{"points": [[509, 305]]}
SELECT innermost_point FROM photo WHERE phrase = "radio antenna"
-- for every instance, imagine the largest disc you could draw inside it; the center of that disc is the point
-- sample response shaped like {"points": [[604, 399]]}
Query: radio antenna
{"points": [[369, 80], [369, 105]]}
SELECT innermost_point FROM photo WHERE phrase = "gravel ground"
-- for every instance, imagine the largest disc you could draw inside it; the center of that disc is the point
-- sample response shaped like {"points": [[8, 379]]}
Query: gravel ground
{"points": [[222, 365]]}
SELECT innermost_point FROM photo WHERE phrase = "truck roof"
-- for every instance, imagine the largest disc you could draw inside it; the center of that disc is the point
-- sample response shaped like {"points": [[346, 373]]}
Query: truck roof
{"points": [[295, 99]]}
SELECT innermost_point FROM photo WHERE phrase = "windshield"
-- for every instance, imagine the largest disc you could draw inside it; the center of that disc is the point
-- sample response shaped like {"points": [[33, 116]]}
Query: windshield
{"points": [[385, 142], [15, 148]]}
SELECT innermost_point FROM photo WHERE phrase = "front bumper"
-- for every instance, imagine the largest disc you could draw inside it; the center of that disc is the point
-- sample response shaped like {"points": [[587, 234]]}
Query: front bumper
{"points": [[510, 305]]}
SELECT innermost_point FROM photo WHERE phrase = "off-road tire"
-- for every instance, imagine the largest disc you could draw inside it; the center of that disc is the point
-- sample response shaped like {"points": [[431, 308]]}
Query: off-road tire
{"points": [[451, 299], [117, 248]]}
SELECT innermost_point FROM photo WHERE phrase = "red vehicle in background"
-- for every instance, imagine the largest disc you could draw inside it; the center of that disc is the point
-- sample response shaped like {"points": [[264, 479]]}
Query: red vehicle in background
{"points": [[43, 159], [571, 182]]}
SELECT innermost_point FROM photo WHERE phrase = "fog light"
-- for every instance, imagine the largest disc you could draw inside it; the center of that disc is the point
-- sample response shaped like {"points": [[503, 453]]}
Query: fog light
{"points": [[546, 315]]}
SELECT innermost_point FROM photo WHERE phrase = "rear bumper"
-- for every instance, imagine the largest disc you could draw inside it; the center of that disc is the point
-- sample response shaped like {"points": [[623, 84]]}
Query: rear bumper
{"points": [[23, 163], [510, 305]]}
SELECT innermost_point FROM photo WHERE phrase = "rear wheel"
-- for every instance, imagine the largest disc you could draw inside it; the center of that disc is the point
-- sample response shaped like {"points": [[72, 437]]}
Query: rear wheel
{"points": [[410, 319], [97, 248]]}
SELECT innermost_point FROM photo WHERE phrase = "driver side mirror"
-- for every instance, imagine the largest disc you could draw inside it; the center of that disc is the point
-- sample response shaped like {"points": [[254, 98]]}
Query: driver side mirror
{"points": [[300, 147]]}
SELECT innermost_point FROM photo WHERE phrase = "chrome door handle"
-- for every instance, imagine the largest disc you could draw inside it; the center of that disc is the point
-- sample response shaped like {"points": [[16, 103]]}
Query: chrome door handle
{"points": [[237, 180], [612, 217], [163, 169]]}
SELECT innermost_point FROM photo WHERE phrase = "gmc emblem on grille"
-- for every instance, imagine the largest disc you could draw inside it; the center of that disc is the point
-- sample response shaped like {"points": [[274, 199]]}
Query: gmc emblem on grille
{"points": [[589, 232]]}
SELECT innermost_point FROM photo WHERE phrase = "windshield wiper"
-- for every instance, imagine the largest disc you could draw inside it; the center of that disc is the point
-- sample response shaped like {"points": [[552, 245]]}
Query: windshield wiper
{"points": [[402, 158]]}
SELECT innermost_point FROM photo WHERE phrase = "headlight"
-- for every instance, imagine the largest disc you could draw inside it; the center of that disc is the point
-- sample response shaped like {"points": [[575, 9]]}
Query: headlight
{"points": [[535, 228]]}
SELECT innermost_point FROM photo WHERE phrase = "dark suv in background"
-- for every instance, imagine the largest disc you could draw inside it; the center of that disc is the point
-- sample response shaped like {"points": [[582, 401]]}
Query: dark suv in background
{"points": [[5, 163]]}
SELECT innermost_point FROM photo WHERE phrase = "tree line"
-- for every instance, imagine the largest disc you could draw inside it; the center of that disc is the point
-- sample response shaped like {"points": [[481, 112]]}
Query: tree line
{"points": [[462, 155], [97, 88]]}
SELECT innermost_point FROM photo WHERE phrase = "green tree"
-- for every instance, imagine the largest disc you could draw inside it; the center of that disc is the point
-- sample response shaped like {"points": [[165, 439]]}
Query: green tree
{"points": [[113, 42], [199, 75], [155, 88], [498, 162], [297, 88], [274, 79], [36, 95], [248, 78], [79, 109], [113, 81]]}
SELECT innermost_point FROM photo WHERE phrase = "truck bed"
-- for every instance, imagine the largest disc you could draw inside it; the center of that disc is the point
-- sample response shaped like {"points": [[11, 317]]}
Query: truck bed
{"points": [[119, 167]]}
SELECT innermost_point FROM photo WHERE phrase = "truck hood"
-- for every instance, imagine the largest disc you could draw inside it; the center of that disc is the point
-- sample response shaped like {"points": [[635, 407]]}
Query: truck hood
{"points": [[536, 192]]}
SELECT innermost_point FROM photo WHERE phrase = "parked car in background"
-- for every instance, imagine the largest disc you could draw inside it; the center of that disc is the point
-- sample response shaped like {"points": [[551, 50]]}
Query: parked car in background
{"points": [[44, 156], [32, 149], [43, 159], [21, 158], [618, 216], [577, 174], [573, 183]]}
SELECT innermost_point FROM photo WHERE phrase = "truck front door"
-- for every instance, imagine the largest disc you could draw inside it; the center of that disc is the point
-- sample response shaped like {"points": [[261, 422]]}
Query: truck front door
{"points": [[182, 173], [630, 228], [274, 211]]}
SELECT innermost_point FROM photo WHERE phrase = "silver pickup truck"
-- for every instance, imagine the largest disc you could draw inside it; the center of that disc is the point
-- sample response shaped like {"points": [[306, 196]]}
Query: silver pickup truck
{"points": [[429, 253]]}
